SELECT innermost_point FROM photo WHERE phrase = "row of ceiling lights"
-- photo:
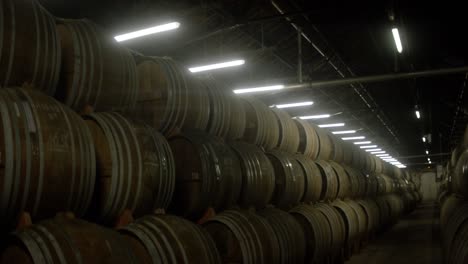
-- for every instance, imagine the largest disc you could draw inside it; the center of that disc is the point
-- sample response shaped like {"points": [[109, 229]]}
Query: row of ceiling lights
{"points": [[424, 139], [365, 145]]}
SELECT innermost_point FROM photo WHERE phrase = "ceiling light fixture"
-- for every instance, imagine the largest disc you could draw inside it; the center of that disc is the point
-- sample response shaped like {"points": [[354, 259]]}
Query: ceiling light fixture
{"points": [[333, 125], [418, 115], [427, 152], [378, 152], [369, 146], [396, 37], [370, 150], [353, 138], [216, 66], [362, 142], [147, 31], [259, 89], [383, 156], [344, 132], [293, 105], [315, 116], [424, 139]]}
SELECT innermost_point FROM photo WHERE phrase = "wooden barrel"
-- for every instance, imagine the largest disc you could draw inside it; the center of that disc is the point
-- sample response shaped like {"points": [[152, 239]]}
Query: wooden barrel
{"points": [[96, 71], [170, 239], [261, 125], [258, 175], [351, 221], [455, 236], [29, 46], [289, 179], [199, 109], [337, 227], [338, 150], [67, 240], [359, 159], [362, 221], [397, 172], [369, 166], [238, 118], [290, 236], [385, 211], [135, 167], [460, 175], [344, 184], [326, 144], [169, 99], [372, 214], [220, 104], [313, 179], [208, 174], [288, 132], [449, 206], [243, 237], [379, 168], [329, 181], [317, 232], [348, 153], [48, 163], [372, 185], [308, 139], [355, 189]]}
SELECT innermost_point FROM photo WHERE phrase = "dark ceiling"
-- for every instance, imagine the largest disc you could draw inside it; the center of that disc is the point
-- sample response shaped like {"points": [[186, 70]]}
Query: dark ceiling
{"points": [[346, 39]]}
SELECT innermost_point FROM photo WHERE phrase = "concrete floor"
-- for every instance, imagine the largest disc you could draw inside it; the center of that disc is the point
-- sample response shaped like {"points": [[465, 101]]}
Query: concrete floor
{"points": [[414, 240]]}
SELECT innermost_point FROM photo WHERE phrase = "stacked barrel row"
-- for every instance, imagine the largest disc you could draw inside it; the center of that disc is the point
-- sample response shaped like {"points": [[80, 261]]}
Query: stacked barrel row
{"points": [[150, 239], [454, 204], [308, 233], [172, 100], [117, 164], [213, 173], [54, 160], [72, 60]]}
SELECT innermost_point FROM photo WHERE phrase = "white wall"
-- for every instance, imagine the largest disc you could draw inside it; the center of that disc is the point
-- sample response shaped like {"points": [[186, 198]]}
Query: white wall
{"points": [[429, 187]]}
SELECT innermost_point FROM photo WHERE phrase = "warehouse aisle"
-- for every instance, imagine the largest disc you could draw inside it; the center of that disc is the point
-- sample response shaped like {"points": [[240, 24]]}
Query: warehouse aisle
{"points": [[414, 240]]}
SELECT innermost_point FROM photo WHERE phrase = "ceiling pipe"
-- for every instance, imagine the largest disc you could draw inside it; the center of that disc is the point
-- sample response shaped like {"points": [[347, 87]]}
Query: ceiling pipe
{"points": [[377, 78], [424, 156]]}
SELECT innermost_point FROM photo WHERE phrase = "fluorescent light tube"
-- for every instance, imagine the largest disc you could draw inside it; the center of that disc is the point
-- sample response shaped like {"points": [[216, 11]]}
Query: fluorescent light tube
{"points": [[369, 150], [396, 37], [333, 125], [259, 89], [293, 105], [424, 139], [378, 152], [418, 115], [315, 116], [362, 142], [147, 31], [344, 132], [383, 156], [215, 66], [427, 152], [370, 146], [353, 138]]}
